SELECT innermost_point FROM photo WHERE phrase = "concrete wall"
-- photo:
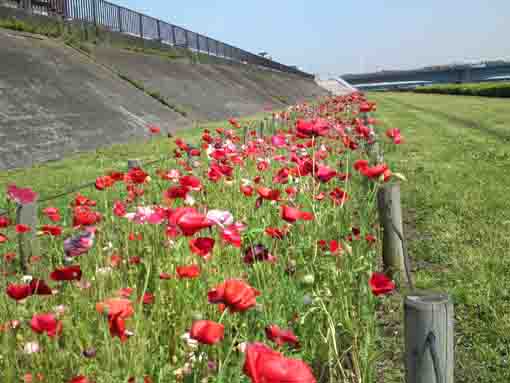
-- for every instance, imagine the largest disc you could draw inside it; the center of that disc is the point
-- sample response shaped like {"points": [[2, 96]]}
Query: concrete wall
{"points": [[55, 99]]}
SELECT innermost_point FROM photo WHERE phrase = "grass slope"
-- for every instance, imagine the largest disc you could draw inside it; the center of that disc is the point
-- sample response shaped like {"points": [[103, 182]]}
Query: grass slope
{"points": [[457, 161]]}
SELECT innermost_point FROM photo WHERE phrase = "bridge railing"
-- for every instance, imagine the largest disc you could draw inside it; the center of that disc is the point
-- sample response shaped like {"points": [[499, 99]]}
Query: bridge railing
{"points": [[123, 20]]}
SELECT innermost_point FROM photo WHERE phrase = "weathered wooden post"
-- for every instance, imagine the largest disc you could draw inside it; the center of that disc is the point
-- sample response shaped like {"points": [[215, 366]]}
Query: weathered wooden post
{"points": [[429, 337], [390, 216], [26, 214], [134, 163], [261, 130], [246, 131]]}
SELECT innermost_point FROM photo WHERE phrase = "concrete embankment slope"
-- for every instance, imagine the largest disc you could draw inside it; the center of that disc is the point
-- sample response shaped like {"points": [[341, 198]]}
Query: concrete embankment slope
{"points": [[55, 100], [209, 91]]}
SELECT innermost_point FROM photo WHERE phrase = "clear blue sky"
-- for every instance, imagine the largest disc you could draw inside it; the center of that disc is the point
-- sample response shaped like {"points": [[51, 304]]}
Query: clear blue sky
{"points": [[343, 36]]}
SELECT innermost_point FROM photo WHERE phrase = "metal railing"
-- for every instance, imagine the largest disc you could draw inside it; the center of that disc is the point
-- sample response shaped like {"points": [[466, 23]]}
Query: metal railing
{"points": [[120, 19]]}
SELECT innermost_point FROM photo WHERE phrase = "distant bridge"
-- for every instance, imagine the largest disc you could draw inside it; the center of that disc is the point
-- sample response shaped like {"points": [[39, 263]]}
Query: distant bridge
{"points": [[415, 78]]}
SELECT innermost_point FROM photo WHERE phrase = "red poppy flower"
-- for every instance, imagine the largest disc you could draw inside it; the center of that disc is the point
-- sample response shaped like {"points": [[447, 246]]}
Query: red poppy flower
{"points": [[247, 190], [264, 365], [51, 230], [176, 192], [262, 165], [119, 209], [318, 127], [20, 228], [18, 292], [22, 196], [80, 379], [148, 298], [191, 271], [39, 287], [235, 294], [292, 214], [394, 134], [104, 182], [117, 309], [234, 123], [165, 276], [334, 247], [325, 173], [231, 235], [154, 129], [81, 200], [84, 216], [3, 238], [366, 107], [268, 194], [9, 257], [137, 175], [275, 232], [201, 246], [67, 273], [207, 332], [46, 323], [282, 176], [360, 164], [192, 222], [116, 176], [280, 336], [191, 182], [4, 221], [381, 284], [338, 196]]}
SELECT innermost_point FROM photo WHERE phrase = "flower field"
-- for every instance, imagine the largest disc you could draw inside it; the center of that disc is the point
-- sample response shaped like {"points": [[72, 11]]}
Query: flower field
{"points": [[244, 256]]}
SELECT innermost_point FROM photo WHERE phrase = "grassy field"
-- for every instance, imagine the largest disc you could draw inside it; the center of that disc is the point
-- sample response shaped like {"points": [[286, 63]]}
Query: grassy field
{"points": [[457, 210], [485, 89]]}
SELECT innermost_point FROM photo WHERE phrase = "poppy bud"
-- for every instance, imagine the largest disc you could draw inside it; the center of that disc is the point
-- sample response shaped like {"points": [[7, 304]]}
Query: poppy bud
{"points": [[89, 352], [308, 279], [307, 299]]}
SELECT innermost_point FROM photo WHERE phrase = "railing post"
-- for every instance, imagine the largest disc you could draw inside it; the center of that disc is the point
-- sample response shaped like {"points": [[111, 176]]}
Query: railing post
{"points": [[186, 38], [141, 25], [172, 27], [26, 4], [119, 16], [429, 338], [390, 217], [94, 11], [28, 244]]}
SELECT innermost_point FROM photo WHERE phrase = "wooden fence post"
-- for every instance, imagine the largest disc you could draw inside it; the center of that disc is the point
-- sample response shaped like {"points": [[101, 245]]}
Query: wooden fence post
{"points": [[429, 337], [246, 131], [28, 244], [261, 130], [134, 163], [390, 216]]}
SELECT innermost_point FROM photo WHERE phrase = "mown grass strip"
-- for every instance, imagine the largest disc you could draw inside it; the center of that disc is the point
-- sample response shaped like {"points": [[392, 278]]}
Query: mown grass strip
{"points": [[485, 89], [457, 205]]}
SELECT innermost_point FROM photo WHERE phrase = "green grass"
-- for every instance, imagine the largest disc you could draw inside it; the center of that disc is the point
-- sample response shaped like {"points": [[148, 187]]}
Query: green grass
{"points": [[457, 161], [486, 89]]}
